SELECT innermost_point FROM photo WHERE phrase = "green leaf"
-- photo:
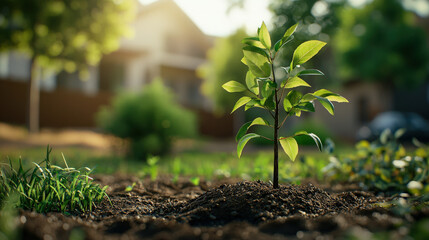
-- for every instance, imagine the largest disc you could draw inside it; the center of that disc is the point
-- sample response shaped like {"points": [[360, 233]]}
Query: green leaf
{"points": [[313, 72], [301, 133], [243, 129], [243, 141], [290, 146], [326, 104], [305, 52], [260, 121], [385, 135], [258, 51], [399, 133], [257, 62], [289, 33], [252, 103], [313, 136], [316, 140], [296, 112], [264, 36], [252, 83], [268, 102], [253, 41], [267, 88], [294, 97], [287, 105], [286, 69], [294, 82], [241, 102], [333, 97], [233, 86], [308, 97], [286, 37], [280, 44], [306, 106]]}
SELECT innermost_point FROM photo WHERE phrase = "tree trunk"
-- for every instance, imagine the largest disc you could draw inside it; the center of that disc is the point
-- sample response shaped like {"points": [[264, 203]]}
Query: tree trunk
{"points": [[33, 99], [276, 134]]}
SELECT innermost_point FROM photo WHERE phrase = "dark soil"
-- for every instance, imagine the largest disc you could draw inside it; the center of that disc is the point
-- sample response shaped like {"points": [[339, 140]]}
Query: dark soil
{"points": [[221, 210]]}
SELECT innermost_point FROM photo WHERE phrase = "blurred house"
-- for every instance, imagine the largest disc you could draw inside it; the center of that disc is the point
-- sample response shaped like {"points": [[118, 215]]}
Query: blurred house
{"points": [[166, 44], [368, 99]]}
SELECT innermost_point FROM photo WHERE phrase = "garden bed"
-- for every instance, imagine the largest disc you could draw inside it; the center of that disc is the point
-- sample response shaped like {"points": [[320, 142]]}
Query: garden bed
{"points": [[225, 209]]}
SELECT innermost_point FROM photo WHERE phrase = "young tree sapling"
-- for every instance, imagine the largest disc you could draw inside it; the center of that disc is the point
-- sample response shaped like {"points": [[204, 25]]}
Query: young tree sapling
{"points": [[264, 90]]}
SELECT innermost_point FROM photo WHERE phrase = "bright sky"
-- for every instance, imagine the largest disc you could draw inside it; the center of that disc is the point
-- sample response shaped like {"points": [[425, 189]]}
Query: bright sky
{"points": [[212, 18]]}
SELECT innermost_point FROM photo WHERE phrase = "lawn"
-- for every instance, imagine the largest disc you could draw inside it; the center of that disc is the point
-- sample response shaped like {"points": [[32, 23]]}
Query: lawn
{"points": [[190, 163]]}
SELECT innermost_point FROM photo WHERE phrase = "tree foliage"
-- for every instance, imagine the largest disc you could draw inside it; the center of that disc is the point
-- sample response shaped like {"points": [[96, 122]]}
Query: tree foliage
{"points": [[381, 42], [69, 34], [61, 35], [318, 19], [223, 64]]}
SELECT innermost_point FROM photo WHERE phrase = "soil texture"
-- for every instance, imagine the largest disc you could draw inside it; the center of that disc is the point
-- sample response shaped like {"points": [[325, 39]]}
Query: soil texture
{"points": [[226, 209]]}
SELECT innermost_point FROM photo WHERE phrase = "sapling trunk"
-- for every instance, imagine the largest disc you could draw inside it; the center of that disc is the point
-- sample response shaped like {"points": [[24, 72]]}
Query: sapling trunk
{"points": [[276, 148], [276, 135]]}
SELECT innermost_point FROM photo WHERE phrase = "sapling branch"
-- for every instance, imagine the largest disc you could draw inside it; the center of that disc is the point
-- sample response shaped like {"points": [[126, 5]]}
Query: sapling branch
{"points": [[267, 138], [284, 120]]}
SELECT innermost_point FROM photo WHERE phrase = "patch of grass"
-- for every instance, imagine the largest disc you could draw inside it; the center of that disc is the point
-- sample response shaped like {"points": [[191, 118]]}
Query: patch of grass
{"points": [[51, 188], [251, 166]]}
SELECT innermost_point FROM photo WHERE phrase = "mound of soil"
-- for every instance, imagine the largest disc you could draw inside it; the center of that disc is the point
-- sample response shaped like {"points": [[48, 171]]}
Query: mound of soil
{"points": [[256, 202], [218, 210]]}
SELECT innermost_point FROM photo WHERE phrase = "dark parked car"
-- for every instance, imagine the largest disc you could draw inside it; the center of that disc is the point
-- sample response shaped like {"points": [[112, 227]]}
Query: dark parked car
{"points": [[414, 124]]}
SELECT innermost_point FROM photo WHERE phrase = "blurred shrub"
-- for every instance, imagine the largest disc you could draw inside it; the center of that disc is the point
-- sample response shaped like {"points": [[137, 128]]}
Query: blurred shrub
{"points": [[149, 119], [384, 165]]}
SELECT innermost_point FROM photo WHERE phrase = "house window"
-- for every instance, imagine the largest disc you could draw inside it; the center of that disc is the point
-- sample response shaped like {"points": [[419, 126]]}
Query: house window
{"points": [[193, 94]]}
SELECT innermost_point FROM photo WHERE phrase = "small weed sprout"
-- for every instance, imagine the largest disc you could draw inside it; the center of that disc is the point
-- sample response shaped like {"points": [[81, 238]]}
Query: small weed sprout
{"points": [[129, 188], [152, 167], [195, 181], [264, 90]]}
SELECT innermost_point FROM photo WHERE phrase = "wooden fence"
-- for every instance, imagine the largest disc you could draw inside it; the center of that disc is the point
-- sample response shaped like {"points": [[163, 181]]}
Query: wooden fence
{"points": [[64, 108]]}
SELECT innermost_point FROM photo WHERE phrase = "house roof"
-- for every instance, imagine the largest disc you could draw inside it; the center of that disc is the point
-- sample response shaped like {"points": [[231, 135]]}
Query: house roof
{"points": [[161, 5]]}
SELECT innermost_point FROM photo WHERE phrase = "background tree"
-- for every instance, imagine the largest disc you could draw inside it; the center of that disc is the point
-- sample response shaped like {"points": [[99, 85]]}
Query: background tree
{"points": [[61, 35], [223, 65], [381, 42], [317, 19]]}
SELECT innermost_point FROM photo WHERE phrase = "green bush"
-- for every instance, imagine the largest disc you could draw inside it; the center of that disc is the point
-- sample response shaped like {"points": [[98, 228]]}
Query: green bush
{"points": [[148, 119], [384, 165]]}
